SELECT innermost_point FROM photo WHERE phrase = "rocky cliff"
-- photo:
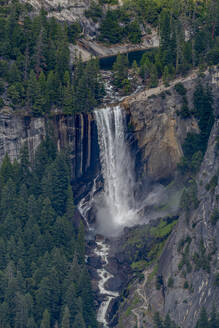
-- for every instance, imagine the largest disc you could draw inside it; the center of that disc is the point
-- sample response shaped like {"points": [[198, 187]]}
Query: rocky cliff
{"points": [[185, 277], [64, 10], [159, 128], [76, 133]]}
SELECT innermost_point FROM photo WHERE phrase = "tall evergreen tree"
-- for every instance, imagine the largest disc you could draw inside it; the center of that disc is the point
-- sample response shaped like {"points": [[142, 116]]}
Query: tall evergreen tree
{"points": [[79, 321], [45, 323], [66, 318]]}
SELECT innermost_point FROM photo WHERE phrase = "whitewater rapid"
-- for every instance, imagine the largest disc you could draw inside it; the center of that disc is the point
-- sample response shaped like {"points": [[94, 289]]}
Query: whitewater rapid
{"points": [[102, 250]]}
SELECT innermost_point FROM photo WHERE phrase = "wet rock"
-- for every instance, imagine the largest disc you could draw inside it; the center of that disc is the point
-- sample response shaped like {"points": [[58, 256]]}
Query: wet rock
{"points": [[114, 284], [111, 313], [95, 262]]}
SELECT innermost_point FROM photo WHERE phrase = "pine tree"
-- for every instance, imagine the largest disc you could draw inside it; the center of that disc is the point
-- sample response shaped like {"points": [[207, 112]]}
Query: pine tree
{"points": [[166, 76], [167, 322], [22, 308], [6, 170], [87, 299], [45, 323], [8, 197], [157, 321], [70, 208], [203, 320], [52, 87], [39, 103], [14, 74], [79, 321], [81, 244], [62, 60], [66, 318], [71, 300], [31, 89], [3, 255], [31, 323], [39, 53], [153, 77], [47, 216], [120, 70], [213, 322], [145, 68], [110, 30], [68, 100], [60, 183]]}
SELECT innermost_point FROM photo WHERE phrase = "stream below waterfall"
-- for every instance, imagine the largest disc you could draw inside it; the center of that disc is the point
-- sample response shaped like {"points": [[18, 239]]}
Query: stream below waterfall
{"points": [[102, 250]]}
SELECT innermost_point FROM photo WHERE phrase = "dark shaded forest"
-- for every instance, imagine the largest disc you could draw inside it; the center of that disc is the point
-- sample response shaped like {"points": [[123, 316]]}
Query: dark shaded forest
{"points": [[35, 70], [43, 277]]}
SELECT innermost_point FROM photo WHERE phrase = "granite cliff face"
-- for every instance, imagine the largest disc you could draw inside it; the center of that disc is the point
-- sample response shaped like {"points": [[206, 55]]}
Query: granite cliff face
{"points": [[202, 252], [76, 133], [185, 277], [158, 128], [64, 10]]}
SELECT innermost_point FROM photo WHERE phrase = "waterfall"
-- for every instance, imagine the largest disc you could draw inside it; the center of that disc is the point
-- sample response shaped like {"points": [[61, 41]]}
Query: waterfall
{"points": [[116, 208], [115, 205]]}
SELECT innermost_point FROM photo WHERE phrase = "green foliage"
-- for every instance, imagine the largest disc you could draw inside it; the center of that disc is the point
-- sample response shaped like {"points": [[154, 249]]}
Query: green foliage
{"points": [[195, 144], [214, 216], [186, 285], [139, 265], [144, 245], [166, 323], [1, 102], [43, 281], [120, 71], [201, 259], [170, 282], [35, 57], [163, 229], [217, 279], [203, 319], [134, 33], [203, 106], [94, 12], [183, 242], [159, 282], [175, 55], [189, 197], [73, 31], [45, 323], [110, 30], [208, 321], [180, 89], [212, 183]]}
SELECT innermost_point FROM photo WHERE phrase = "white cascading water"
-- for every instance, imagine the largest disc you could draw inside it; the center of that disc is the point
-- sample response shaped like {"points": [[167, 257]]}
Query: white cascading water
{"points": [[102, 250], [117, 208], [115, 205]]}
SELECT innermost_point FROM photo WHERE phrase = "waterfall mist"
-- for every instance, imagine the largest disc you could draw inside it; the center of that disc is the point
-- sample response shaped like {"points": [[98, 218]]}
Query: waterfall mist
{"points": [[116, 204]]}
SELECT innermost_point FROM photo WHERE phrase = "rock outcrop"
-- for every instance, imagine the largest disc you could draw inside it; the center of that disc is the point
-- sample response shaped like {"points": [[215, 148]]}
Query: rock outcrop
{"points": [[74, 11], [77, 133], [91, 48], [158, 128], [185, 277], [190, 257], [63, 10]]}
